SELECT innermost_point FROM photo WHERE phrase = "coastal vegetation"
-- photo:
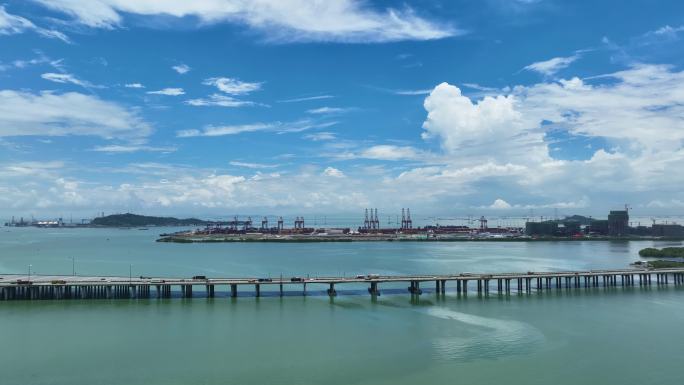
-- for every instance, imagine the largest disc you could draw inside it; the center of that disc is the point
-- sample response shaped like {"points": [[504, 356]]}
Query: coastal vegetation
{"points": [[663, 264], [667, 252]]}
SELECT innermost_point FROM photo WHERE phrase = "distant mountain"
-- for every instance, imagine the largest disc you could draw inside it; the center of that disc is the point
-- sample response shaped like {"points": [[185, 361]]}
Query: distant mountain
{"points": [[133, 220], [578, 218]]}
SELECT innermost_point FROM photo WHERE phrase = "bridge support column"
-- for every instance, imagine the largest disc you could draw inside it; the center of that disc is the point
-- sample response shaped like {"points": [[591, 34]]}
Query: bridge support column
{"points": [[443, 286], [437, 286], [373, 289], [331, 290], [415, 288], [233, 290], [458, 286], [257, 290], [508, 286]]}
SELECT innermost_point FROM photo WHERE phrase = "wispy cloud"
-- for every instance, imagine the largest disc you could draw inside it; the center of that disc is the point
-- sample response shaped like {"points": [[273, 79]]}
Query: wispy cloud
{"points": [[320, 136], [305, 99], [277, 127], [168, 92], [65, 78], [116, 148], [348, 21], [71, 113], [13, 24], [40, 58], [232, 86], [412, 92], [383, 152], [134, 85], [328, 111], [220, 101], [253, 165], [551, 66], [181, 68]]}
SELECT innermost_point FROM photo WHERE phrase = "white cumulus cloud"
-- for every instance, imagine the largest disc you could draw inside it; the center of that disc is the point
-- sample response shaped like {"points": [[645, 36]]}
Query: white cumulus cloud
{"points": [[232, 86], [333, 172], [181, 68], [500, 204]]}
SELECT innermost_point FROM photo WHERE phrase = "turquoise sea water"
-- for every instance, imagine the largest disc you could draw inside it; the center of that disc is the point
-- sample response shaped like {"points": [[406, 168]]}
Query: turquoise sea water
{"points": [[603, 335]]}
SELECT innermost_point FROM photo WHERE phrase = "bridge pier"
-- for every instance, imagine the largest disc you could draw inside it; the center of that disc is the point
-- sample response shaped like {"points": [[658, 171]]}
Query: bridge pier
{"points": [[257, 289], [373, 289], [233, 290], [331, 290], [443, 286], [415, 288], [187, 291]]}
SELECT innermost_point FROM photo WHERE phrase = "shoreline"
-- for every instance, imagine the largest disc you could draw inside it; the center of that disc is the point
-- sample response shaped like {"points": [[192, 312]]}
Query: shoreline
{"points": [[313, 239]]}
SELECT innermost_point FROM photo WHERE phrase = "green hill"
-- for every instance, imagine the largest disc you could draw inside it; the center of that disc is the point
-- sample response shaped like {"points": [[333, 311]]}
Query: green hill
{"points": [[133, 220]]}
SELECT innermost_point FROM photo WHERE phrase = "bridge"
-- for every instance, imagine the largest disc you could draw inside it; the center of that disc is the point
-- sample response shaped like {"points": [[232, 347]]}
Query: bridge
{"points": [[46, 287]]}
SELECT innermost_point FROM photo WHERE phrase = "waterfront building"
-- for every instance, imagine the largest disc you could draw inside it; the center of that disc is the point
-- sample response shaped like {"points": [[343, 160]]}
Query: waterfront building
{"points": [[618, 223]]}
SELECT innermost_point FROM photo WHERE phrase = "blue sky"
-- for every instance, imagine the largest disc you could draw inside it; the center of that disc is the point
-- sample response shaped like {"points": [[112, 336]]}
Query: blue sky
{"points": [[218, 107]]}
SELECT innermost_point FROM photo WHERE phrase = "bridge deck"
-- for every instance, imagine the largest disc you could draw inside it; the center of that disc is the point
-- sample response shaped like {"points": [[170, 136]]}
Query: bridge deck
{"points": [[11, 280]]}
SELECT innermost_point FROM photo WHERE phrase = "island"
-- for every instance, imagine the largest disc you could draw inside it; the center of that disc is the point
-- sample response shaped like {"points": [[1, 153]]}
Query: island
{"points": [[134, 220]]}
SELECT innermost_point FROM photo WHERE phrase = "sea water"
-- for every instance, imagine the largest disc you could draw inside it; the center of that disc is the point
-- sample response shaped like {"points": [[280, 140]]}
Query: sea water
{"points": [[600, 335]]}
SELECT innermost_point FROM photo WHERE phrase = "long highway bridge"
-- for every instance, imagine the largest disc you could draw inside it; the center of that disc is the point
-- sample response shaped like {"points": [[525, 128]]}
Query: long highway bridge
{"points": [[44, 287]]}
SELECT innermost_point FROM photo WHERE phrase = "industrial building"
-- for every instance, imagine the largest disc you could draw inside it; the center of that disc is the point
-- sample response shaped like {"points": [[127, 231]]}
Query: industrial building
{"points": [[617, 225]]}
